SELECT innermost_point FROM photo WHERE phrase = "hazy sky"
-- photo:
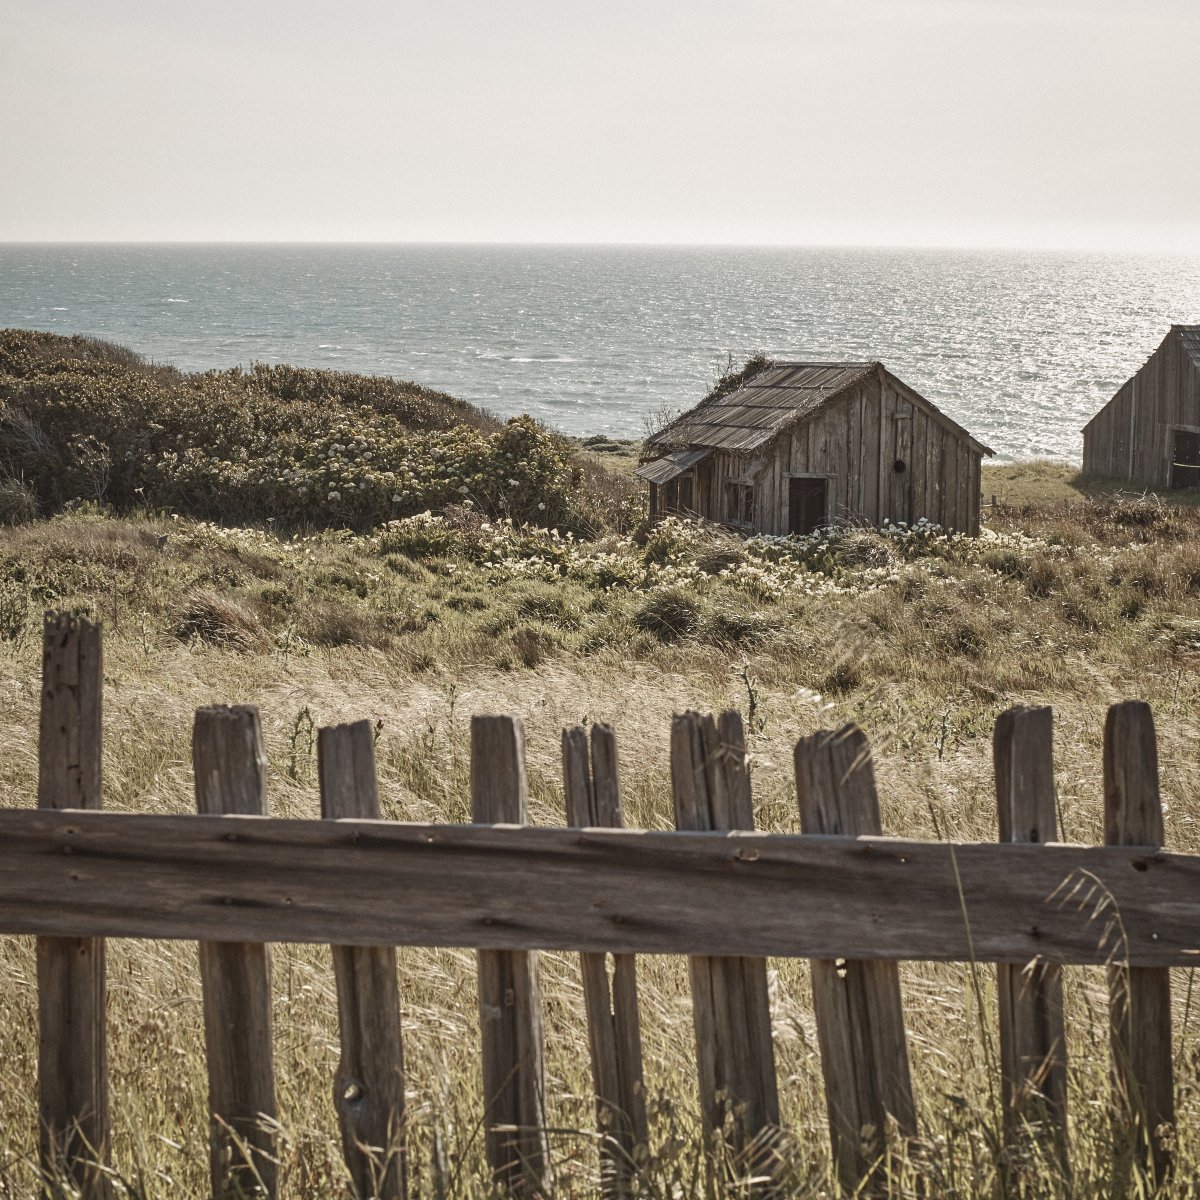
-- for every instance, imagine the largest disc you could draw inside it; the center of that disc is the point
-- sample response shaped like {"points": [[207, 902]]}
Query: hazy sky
{"points": [[939, 122]]}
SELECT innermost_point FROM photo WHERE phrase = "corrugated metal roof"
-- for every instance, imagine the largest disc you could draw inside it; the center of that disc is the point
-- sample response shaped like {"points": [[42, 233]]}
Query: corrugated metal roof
{"points": [[779, 396], [663, 470]]}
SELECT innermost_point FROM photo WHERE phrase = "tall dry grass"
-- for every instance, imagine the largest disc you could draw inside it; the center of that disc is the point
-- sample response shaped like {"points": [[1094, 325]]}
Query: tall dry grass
{"points": [[1091, 612]]}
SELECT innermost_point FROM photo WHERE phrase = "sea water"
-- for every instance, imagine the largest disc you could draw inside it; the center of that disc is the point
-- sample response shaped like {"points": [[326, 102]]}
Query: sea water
{"points": [[1021, 348]]}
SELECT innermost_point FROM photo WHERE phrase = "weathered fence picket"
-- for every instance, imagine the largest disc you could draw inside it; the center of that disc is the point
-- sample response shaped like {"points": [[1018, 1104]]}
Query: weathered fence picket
{"points": [[368, 1088], [231, 777], [840, 894], [735, 1057], [510, 1002], [593, 796], [857, 1004], [1033, 1048], [72, 1054], [1139, 997]]}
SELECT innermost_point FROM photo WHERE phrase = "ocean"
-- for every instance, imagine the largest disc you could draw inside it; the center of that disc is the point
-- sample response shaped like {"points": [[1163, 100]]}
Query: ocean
{"points": [[1021, 348]]}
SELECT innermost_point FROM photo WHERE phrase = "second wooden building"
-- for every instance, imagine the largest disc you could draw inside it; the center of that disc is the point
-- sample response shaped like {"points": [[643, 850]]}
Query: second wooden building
{"points": [[799, 446]]}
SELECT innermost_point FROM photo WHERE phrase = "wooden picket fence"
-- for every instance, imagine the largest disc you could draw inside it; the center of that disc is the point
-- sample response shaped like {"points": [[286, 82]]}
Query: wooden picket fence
{"points": [[852, 901]]}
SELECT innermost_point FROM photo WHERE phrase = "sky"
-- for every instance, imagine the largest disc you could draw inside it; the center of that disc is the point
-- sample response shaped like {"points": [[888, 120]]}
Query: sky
{"points": [[1023, 123]]}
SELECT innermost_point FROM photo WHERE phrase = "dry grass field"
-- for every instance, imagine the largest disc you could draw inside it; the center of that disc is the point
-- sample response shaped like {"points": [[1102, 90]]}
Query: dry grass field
{"points": [[1071, 600]]}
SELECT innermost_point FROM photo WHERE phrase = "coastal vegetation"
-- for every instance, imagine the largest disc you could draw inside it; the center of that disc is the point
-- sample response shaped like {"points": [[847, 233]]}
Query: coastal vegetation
{"points": [[418, 617], [81, 419]]}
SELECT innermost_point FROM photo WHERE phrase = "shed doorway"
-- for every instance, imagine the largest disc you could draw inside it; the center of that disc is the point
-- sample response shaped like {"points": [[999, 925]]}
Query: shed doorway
{"points": [[1185, 460], [806, 505]]}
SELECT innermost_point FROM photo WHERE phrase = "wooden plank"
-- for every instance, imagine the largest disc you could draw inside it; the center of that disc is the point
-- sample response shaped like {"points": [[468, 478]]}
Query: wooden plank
{"points": [[735, 1058], [389, 883], [593, 798], [854, 445], [1139, 998], [73, 1136], [368, 1087], [510, 1004], [1033, 1048], [231, 778], [976, 495], [965, 484], [857, 1005], [870, 434], [933, 471]]}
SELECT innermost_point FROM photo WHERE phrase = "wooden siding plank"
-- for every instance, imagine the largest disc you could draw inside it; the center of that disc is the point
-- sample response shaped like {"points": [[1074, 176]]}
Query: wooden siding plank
{"points": [[950, 482], [871, 450], [933, 464], [837, 422], [887, 450], [963, 476]]}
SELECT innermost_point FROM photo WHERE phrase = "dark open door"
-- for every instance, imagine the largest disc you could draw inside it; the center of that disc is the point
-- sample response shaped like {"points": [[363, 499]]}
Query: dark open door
{"points": [[1185, 461], [806, 505]]}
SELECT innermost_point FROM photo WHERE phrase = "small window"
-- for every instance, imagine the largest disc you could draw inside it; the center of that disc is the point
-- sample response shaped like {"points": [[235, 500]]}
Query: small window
{"points": [[739, 503]]}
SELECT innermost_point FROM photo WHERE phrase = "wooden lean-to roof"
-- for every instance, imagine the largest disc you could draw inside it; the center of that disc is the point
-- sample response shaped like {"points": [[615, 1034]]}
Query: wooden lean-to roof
{"points": [[779, 396]]}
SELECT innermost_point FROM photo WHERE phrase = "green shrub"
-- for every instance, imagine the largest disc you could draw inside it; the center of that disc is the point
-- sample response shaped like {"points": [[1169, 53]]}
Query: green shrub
{"points": [[668, 614], [14, 611], [220, 620], [551, 607], [738, 627], [18, 505], [866, 548], [276, 444]]}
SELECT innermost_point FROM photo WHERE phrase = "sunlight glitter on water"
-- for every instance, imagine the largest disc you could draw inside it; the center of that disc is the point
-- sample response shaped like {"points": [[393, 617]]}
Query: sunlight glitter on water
{"points": [[1021, 348]]}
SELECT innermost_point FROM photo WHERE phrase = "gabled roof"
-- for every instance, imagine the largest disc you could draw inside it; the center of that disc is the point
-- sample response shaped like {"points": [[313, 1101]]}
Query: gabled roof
{"points": [[1189, 339], [778, 397]]}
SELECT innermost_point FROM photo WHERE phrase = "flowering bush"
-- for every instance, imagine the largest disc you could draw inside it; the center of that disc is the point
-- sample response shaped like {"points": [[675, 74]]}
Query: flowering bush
{"points": [[294, 446]]}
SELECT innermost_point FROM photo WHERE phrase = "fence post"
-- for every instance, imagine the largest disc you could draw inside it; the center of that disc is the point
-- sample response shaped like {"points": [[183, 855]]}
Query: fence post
{"points": [[368, 1088], [857, 1005], [614, 1030], [735, 1058], [1139, 997], [510, 1003], [1033, 1051], [72, 1057], [231, 775]]}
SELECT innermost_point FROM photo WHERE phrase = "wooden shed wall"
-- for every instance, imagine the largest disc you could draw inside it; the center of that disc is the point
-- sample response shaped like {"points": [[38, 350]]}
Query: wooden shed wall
{"points": [[1130, 437], [854, 442]]}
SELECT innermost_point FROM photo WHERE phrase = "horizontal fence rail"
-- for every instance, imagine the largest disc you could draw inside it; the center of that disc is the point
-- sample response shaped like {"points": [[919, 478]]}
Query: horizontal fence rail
{"points": [[389, 883], [235, 880]]}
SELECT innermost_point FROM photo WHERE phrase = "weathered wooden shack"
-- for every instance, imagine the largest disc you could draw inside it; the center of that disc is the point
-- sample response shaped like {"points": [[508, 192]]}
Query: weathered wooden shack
{"points": [[804, 445], [1150, 430]]}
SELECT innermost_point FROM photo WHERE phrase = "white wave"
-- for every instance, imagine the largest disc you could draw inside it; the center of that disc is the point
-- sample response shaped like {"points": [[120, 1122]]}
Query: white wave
{"points": [[172, 300]]}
